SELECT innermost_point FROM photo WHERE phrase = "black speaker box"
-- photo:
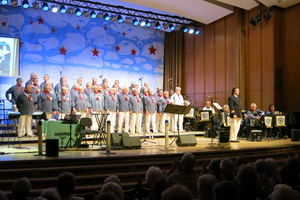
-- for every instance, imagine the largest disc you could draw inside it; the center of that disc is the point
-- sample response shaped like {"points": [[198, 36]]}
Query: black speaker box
{"points": [[131, 142], [295, 137], [255, 135], [186, 140], [51, 147], [224, 136], [115, 139]]}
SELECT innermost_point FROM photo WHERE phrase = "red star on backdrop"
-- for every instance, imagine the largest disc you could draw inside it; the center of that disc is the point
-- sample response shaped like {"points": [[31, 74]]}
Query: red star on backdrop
{"points": [[95, 52], [31, 22], [53, 30], [105, 27], [41, 21], [123, 34], [63, 51], [78, 27], [21, 44], [133, 52], [117, 48], [3, 23], [152, 50]]}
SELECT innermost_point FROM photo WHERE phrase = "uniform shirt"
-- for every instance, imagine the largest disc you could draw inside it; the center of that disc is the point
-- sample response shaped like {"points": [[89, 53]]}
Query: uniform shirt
{"points": [[80, 102], [73, 93], [29, 82], [161, 103], [105, 90], [46, 102], [35, 93], [111, 103], [253, 114], [135, 104], [235, 106], [24, 104], [123, 102], [177, 99], [210, 108], [96, 101], [14, 91], [88, 91], [57, 88], [63, 103], [150, 104], [43, 85]]}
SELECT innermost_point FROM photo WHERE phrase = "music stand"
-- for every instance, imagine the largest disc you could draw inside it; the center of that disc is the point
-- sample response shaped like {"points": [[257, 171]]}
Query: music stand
{"points": [[13, 116], [179, 110], [279, 121], [39, 116], [71, 119]]}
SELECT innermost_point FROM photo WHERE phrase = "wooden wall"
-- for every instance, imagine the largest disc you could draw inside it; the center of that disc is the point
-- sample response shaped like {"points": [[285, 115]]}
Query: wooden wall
{"points": [[271, 60], [209, 61]]}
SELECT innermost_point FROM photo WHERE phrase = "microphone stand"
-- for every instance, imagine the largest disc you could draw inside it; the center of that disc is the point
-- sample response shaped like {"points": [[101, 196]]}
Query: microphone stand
{"points": [[141, 80], [61, 94]]}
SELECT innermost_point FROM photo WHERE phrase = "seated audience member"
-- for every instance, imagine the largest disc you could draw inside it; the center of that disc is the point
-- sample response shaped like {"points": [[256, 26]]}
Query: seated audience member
{"points": [[284, 192], [21, 189], [158, 188], [50, 194], [289, 174], [241, 160], [187, 176], [263, 181], [226, 190], [214, 167], [106, 196], [3, 195], [65, 185], [206, 183], [114, 188], [228, 168], [113, 179], [272, 169], [177, 192], [246, 180]]}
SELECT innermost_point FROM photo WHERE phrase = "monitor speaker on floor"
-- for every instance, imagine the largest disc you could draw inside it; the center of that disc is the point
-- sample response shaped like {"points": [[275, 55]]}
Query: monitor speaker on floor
{"points": [[186, 140], [131, 142]]}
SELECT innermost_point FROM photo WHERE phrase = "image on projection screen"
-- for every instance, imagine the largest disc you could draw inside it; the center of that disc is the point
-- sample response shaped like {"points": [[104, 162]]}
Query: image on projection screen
{"points": [[9, 56]]}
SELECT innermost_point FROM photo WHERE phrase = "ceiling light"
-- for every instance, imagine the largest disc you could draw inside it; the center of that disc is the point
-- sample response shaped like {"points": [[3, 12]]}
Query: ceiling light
{"points": [[93, 14], [172, 27], [114, 18], [86, 13], [106, 17], [78, 12], [25, 4], [54, 9], [35, 5], [267, 16], [70, 10], [45, 6], [158, 25], [100, 15], [120, 19], [127, 19], [14, 2], [63, 9], [165, 25], [148, 23], [185, 29], [197, 31], [192, 30], [253, 21], [4, 2]]}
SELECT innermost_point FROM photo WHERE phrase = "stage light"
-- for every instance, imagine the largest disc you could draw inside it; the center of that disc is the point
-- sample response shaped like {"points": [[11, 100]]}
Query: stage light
{"points": [[45, 6], [148, 23], [86, 13], [25, 4], [253, 21], [14, 2], [35, 5], [106, 17], [93, 14], [158, 25], [54, 9], [267, 16], [70, 10], [4, 2], [185, 29], [63, 9], [142, 22], [127, 19], [165, 25], [171, 27], [197, 31], [114, 18], [135, 22], [100, 15], [78, 12], [192, 30], [120, 19]]}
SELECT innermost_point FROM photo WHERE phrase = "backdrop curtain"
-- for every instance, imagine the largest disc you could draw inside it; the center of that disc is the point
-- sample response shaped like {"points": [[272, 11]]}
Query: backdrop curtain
{"points": [[173, 59]]}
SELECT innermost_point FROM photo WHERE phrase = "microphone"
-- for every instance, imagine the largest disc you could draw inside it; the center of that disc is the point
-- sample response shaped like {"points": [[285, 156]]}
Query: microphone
{"points": [[140, 79], [101, 76], [60, 73], [170, 79]]}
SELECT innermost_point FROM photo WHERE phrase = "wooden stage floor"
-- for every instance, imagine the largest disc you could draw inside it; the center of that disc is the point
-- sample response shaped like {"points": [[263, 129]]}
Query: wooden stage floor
{"points": [[29, 151]]}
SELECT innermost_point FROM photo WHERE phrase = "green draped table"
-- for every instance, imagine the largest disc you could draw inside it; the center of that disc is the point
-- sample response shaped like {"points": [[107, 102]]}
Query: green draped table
{"points": [[61, 131]]}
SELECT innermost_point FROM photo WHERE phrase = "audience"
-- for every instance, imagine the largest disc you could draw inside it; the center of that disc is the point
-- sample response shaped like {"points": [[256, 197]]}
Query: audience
{"points": [[220, 180]]}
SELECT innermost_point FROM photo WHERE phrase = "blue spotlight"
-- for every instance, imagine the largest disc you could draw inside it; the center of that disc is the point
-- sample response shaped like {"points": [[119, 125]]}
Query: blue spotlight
{"points": [[45, 6], [135, 22], [93, 14], [106, 17], [148, 23], [197, 32], [185, 29], [25, 4], [171, 27], [120, 19], [63, 9], [158, 25], [78, 12], [4, 2]]}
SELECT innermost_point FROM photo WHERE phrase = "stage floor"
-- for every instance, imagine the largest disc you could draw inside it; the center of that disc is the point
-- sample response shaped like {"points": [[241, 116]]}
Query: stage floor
{"points": [[29, 151]]}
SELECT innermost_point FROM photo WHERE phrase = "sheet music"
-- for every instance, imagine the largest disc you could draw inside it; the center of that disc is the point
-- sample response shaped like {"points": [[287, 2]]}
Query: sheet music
{"points": [[217, 106]]}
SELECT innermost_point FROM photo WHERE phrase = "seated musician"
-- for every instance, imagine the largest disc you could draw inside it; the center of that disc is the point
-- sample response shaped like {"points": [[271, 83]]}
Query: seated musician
{"points": [[254, 115], [209, 107], [272, 110], [225, 115], [275, 131]]}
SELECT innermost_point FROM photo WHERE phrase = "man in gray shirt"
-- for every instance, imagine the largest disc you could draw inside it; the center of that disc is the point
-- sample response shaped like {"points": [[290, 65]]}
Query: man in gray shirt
{"points": [[14, 91], [136, 112]]}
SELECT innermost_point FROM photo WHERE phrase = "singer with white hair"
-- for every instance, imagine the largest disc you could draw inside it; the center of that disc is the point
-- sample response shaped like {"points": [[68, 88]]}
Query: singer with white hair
{"points": [[123, 106], [177, 99]]}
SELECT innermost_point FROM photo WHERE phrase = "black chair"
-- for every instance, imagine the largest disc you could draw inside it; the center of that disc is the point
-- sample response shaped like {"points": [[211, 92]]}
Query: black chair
{"points": [[85, 125]]}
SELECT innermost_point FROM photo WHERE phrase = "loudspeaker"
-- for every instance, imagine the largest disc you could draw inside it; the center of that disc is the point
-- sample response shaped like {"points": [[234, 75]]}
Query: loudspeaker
{"points": [[115, 139], [131, 142], [224, 136], [255, 135], [186, 140], [295, 137], [51, 147]]}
